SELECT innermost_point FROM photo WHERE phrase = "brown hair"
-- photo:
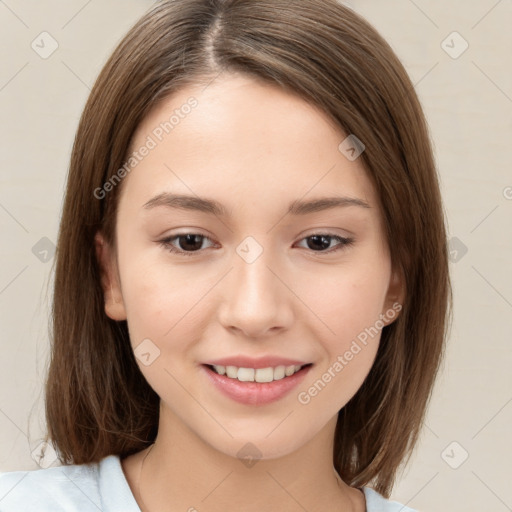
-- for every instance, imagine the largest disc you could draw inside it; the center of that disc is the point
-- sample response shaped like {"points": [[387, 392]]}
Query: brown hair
{"points": [[97, 400]]}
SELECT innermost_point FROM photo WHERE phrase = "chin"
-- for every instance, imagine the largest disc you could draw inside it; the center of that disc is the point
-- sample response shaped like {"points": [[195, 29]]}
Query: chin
{"points": [[259, 445]]}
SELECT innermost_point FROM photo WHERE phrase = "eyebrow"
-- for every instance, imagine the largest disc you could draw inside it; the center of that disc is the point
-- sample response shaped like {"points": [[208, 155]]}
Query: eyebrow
{"points": [[297, 207]]}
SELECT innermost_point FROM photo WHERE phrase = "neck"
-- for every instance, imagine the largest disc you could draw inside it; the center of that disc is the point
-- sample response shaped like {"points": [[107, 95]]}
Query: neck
{"points": [[183, 473]]}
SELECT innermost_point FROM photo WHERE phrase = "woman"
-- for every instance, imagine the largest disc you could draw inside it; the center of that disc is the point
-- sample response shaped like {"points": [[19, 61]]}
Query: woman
{"points": [[251, 287]]}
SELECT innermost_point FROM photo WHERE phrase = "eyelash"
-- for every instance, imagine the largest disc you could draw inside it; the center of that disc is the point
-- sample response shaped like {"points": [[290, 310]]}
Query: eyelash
{"points": [[166, 243]]}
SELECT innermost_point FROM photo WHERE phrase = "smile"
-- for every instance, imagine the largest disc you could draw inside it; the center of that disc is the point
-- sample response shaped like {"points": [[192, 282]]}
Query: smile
{"points": [[268, 374], [255, 386]]}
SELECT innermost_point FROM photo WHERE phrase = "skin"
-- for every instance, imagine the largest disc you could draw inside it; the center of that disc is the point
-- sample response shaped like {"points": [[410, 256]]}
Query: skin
{"points": [[254, 148]]}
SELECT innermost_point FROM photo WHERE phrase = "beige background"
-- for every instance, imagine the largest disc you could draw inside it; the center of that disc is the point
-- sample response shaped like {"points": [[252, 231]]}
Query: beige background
{"points": [[468, 101]]}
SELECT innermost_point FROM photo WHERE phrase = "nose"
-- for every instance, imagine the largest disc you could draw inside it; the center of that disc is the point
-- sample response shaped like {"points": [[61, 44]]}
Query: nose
{"points": [[256, 300]]}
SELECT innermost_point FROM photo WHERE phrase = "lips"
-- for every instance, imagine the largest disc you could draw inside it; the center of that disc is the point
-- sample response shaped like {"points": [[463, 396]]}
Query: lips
{"points": [[251, 392]]}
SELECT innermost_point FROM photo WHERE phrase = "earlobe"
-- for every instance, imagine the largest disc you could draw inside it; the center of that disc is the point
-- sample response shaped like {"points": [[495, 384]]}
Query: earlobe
{"points": [[395, 298], [114, 305]]}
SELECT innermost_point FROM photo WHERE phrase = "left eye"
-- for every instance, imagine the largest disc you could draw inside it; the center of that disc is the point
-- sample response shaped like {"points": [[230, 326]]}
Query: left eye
{"points": [[323, 241], [190, 243]]}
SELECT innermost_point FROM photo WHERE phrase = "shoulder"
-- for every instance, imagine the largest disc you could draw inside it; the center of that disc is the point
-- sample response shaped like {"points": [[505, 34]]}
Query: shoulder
{"points": [[72, 488], [56, 488], [375, 502]]}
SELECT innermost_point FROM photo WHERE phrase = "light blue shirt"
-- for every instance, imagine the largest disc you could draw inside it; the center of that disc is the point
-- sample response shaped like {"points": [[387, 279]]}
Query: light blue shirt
{"points": [[99, 487]]}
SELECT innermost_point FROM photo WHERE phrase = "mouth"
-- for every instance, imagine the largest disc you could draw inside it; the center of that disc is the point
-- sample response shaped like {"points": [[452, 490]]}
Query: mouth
{"points": [[261, 375], [255, 386]]}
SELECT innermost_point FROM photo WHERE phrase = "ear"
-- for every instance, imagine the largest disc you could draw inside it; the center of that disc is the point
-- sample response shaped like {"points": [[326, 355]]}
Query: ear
{"points": [[114, 305], [394, 298]]}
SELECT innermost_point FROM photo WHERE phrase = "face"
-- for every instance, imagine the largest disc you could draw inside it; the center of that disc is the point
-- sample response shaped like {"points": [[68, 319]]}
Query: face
{"points": [[243, 273]]}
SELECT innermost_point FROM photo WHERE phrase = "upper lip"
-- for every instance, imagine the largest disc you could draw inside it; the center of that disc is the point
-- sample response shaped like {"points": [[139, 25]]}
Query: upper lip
{"points": [[255, 362]]}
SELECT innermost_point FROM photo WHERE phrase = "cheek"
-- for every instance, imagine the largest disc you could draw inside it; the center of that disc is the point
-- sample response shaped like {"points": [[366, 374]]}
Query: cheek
{"points": [[164, 314], [346, 299], [168, 304], [347, 306], [156, 305]]}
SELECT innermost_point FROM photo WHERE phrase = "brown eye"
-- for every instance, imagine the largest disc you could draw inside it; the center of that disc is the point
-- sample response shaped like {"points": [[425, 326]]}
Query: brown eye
{"points": [[319, 242], [187, 243]]}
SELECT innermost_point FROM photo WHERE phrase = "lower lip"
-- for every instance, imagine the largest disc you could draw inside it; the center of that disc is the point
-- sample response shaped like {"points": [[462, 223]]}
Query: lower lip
{"points": [[255, 393]]}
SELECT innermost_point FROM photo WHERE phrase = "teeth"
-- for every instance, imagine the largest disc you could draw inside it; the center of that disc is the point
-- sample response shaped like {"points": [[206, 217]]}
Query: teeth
{"points": [[221, 370], [246, 374], [232, 372], [279, 372], [257, 375], [289, 370]]}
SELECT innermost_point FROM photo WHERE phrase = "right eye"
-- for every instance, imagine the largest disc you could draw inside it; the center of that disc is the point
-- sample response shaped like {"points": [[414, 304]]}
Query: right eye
{"points": [[188, 243]]}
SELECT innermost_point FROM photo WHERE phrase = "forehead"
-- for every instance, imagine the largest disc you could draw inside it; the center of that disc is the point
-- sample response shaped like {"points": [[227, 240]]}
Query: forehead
{"points": [[240, 139]]}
